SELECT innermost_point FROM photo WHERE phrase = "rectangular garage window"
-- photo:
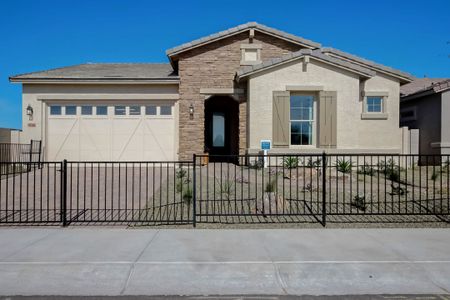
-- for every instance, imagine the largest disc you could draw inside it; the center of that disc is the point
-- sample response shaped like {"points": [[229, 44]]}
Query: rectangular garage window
{"points": [[55, 110], [165, 110], [71, 110], [119, 110], [150, 110], [86, 110], [101, 110], [135, 110]]}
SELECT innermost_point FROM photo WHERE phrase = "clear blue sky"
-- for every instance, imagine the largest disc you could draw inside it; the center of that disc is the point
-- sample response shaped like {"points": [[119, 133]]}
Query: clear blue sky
{"points": [[413, 36]]}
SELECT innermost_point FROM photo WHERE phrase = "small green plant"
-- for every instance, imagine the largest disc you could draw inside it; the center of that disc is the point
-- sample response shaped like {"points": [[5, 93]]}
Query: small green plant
{"points": [[344, 166], [366, 170], [434, 176], [181, 173], [311, 163], [290, 162], [271, 186], [390, 170], [187, 195], [359, 202], [226, 189]]}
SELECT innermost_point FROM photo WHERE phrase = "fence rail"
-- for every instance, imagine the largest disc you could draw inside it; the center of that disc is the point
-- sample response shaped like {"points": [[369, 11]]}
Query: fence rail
{"points": [[252, 189]]}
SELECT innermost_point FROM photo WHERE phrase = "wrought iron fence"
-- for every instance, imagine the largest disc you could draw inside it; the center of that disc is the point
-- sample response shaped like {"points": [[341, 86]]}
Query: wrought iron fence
{"points": [[240, 189]]}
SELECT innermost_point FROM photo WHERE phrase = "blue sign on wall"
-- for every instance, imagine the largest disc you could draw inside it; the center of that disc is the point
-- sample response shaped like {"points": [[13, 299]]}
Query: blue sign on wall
{"points": [[265, 144]]}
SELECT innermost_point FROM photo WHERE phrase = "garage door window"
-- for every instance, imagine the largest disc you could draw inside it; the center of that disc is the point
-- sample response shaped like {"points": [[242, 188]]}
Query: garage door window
{"points": [[165, 110], [119, 110], [71, 110], [135, 110], [101, 110], [150, 110], [86, 110], [55, 110]]}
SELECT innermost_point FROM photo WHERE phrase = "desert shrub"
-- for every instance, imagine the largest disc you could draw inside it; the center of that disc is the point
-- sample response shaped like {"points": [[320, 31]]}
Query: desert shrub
{"points": [[390, 170], [290, 162], [366, 170], [187, 195], [359, 202], [225, 189], [271, 186], [434, 176], [313, 163], [256, 164], [344, 166]]}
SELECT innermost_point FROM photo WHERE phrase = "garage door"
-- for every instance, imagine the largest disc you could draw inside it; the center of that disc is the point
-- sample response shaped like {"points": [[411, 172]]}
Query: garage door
{"points": [[118, 132]]}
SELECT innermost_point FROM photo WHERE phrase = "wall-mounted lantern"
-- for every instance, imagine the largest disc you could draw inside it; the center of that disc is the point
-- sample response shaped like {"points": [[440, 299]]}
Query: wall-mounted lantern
{"points": [[29, 112], [191, 111]]}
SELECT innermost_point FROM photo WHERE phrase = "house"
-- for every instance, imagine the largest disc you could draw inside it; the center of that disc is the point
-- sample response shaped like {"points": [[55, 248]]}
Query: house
{"points": [[425, 105], [223, 93]]}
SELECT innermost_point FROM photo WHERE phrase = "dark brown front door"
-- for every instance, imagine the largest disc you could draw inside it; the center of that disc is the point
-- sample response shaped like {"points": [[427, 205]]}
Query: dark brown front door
{"points": [[221, 127]]}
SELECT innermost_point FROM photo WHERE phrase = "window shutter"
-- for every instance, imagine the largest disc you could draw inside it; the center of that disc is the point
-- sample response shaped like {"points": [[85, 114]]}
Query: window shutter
{"points": [[281, 119], [327, 119]]}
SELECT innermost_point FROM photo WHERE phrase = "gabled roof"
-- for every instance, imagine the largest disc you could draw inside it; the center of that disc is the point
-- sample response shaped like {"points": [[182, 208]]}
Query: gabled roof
{"points": [[238, 29], [424, 86], [315, 54], [103, 72], [403, 76]]}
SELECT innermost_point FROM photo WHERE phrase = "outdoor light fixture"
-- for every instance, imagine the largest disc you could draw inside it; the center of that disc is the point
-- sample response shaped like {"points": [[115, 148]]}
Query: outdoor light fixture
{"points": [[191, 111], [29, 112]]}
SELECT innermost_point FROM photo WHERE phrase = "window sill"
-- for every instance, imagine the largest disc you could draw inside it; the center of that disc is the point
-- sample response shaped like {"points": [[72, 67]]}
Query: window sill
{"points": [[374, 116], [250, 63]]}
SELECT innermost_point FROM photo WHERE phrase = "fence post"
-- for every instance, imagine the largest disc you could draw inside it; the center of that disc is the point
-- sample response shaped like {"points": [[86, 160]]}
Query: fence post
{"points": [[324, 187], [194, 192], [64, 193]]}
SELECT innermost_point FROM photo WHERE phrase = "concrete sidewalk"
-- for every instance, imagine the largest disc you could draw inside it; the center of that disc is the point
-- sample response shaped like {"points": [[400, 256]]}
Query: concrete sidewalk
{"points": [[116, 261]]}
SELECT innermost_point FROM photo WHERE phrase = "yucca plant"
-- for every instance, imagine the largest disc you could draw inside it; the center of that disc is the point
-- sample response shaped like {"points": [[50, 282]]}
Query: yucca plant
{"points": [[366, 170], [344, 166], [290, 162]]}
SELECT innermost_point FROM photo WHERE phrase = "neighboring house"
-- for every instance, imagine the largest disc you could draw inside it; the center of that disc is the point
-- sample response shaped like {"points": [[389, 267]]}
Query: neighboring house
{"points": [[425, 105], [224, 93]]}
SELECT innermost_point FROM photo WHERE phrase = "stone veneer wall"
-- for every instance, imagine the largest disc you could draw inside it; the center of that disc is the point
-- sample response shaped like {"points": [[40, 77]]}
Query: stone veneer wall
{"points": [[214, 66]]}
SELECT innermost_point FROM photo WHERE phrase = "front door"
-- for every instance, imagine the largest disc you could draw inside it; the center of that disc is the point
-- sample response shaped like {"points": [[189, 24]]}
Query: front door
{"points": [[221, 127]]}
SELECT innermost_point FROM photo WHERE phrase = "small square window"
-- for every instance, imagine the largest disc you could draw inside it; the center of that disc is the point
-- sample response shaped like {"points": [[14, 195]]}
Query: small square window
{"points": [[86, 110], [55, 110], [150, 110], [135, 110], [374, 104], [71, 110], [120, 110], [101, 110], [165, 110], [251, 55]]}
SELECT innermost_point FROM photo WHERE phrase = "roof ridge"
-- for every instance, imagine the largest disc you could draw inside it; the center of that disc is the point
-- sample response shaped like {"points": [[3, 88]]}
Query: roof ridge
{"points": [[237, 29], [367, 62]]}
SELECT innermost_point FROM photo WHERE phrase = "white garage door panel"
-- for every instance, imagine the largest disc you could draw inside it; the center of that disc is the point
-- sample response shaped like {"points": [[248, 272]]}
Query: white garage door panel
{"points": [[111, 138]]}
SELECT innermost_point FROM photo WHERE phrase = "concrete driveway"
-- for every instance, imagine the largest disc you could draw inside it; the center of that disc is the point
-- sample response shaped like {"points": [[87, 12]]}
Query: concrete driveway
{"points": [[116, 261]]}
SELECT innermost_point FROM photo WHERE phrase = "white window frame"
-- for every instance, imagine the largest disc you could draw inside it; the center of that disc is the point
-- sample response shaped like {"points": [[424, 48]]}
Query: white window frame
{"points": [[313, 121], [383, 115], [253, 47]]}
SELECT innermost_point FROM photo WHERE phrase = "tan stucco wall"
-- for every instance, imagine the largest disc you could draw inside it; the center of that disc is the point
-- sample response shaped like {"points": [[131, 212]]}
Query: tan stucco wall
{"points": [[353, 133], [37, 95]]}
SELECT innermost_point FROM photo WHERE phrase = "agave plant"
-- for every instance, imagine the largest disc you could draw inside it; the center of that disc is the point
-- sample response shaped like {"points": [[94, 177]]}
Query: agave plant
{"points": [[290, 162], [344, 166]]}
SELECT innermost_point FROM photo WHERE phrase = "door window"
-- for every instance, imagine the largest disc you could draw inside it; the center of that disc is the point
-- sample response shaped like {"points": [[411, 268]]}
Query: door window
{"points": [[218, 132]]}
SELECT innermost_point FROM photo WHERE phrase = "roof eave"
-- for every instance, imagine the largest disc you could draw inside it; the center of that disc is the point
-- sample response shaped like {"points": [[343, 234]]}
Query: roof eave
{"points": [[95, 80], [238, 76]]}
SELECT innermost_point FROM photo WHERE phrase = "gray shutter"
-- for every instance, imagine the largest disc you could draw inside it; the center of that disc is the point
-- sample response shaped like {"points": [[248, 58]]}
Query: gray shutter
{"points": [[327, 119], [280, 119]]}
